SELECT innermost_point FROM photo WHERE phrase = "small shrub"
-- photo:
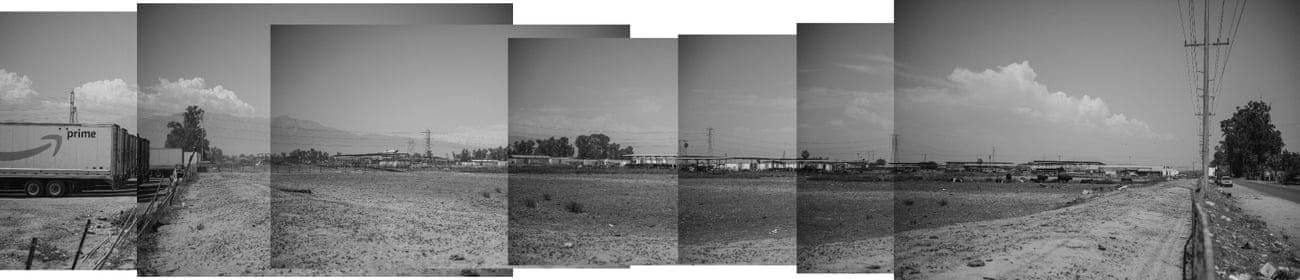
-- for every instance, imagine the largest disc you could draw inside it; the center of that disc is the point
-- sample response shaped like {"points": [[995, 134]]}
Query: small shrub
{"points": [[908, 202], [498, 190], [530, 203], [457, 257], [574, 207], [546, 197], [943, 202], [486, 194]]}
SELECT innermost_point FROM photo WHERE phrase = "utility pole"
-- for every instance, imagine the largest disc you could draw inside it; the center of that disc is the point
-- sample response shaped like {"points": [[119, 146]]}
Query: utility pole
{"points": [[410, 146], [1205, 93], [710, 141], [72, 107], [995, 152]]}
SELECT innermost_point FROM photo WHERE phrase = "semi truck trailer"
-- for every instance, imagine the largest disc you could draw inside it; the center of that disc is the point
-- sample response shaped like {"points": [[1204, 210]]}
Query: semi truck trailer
{"points": [[164, 161], [55, 159]]}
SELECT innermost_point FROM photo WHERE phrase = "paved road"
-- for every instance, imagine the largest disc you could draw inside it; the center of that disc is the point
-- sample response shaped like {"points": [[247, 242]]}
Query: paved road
{"points": [[1289, 194]]}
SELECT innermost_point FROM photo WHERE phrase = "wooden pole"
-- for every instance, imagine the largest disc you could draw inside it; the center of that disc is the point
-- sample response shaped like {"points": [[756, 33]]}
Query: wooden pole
{"points": [[31, 252], [84, 231]]}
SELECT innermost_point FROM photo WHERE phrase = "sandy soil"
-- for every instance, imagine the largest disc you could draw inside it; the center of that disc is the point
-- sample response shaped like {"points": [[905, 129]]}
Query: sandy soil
{"points": [[221, 226], [419, 223], [845, 226], [1243, 239], [1280, 214], [1138, 233], [57, 224], [737, 221], [626, 219]]}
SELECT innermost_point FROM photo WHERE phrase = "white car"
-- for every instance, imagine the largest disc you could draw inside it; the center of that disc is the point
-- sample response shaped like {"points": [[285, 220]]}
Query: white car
{"points": [[1225, 182]]}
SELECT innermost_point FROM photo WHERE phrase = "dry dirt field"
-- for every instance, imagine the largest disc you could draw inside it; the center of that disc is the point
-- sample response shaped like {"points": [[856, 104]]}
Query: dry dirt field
{"points": [[1136, 233], [389, 223], [221, 226], [928, 204], [624, 219], [845, 226], [57, 224], [737, 221]]}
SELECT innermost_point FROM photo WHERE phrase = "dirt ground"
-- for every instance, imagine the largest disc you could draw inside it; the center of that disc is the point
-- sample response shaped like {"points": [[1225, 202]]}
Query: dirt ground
{"points": [[625, 219], [378, 224], [737, 221], [1249, 230], [845, 226], [221, 226], [57, 223], [921, 204], [1136, 233], [1280, 214]]}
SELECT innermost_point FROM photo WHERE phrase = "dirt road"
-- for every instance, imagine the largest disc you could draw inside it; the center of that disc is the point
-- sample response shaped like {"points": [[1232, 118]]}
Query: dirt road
{"points": [[57, 223], [1137, 233], [220, 227]]}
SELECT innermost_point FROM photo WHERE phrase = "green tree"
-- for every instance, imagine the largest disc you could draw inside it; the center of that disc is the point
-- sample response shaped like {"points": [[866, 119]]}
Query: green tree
{"points": [[188, 135], [1250, 140], [804, 154]]}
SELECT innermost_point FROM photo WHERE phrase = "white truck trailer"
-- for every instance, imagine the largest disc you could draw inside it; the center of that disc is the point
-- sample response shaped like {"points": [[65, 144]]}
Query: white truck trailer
{"points": [[55, 159], [164, 161]]}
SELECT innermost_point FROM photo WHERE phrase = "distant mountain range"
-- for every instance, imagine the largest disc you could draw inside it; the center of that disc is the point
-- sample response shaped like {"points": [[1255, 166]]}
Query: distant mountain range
{"points": [[288, 133], [233, 134]]}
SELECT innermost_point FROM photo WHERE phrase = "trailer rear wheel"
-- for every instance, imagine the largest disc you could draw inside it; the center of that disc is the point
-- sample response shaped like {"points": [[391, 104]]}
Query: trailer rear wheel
{"points": [[56, 188], [32, 188]]}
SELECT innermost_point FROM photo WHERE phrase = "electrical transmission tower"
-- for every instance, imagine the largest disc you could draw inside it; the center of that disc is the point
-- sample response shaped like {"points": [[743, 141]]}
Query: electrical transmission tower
{"points": [[710, 141], [72, 107], [428, 142]]}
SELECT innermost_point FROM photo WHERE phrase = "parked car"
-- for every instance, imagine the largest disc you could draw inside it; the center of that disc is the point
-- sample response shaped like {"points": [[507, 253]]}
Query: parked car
{"points": [[1224, 181]]}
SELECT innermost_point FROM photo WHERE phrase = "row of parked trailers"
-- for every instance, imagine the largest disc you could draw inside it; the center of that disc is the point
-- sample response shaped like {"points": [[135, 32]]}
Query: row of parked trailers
{"points": [[55, 159]]}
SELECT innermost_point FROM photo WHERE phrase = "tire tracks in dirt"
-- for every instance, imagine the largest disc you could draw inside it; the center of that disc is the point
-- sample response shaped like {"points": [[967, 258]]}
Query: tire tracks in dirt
{"points": [[1135, 234]]}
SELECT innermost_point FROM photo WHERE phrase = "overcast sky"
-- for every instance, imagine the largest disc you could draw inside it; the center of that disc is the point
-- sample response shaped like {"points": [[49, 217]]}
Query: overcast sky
{"points": [[846, 90], [742, 86], [402, 79], [624, 88], [1077, 80], [43, 56], [218, 55]]}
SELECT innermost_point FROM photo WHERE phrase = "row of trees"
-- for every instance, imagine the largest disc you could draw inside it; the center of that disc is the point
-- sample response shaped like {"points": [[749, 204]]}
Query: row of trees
{"points": [[552, 147], [1252, 146], [593, 146], [498, 153]]}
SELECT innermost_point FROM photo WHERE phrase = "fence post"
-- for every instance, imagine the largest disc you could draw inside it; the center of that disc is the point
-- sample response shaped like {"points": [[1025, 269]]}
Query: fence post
{"points": [[82, 243], [31, 252]]}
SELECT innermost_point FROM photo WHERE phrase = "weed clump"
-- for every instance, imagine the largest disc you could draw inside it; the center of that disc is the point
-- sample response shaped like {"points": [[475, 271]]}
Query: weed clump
{"points": [[574, 207], [943, 202], [530, 203], [908, 202], [486, 194], [546, 197]]}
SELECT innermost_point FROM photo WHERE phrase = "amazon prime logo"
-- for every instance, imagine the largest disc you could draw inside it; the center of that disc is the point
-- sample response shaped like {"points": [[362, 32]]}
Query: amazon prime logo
{"points": [[58, 144]]}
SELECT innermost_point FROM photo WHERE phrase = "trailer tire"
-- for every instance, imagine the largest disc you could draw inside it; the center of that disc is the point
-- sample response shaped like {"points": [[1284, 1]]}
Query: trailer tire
{"points": [[32, 188], [56, 188]]}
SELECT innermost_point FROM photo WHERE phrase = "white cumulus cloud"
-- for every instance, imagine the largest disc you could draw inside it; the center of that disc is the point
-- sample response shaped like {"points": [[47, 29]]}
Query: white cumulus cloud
{"points": [[173, 96], [1014, 88], [15, 88]]}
